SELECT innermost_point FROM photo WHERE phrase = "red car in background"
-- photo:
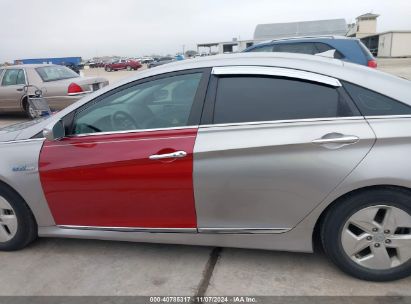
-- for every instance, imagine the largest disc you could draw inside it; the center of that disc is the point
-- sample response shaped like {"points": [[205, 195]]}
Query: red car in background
{"points": [[122, 64]]}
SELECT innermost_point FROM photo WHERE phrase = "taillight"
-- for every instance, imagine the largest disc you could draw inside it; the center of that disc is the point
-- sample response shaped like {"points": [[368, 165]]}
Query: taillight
{"points": [[74, 88], [372, 63]]}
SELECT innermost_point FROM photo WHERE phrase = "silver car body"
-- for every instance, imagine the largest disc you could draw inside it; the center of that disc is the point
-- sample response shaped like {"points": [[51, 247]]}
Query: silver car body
{"points": [[12, 97], [257, 185]]}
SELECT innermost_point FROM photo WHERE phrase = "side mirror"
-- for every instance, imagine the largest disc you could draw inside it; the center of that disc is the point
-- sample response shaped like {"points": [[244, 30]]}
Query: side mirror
{"points": [[54, 132]]}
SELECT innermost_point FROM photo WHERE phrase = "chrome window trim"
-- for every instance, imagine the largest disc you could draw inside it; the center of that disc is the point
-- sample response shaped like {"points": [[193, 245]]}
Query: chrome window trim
{"points": [[133, 131], [274, 71], [243, 230], [272, 122], [130, 229], [387, 116]]}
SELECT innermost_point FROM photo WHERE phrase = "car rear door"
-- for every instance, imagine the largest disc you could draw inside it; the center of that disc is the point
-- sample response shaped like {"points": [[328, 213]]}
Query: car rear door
{"points": [[273, 144], [127, 161], [11, 89]]}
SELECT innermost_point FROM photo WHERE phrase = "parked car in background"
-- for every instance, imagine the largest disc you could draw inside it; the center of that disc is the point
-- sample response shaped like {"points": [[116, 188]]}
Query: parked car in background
{"points": [[96, 64], [146, 60], [123, 64], [74, 67], [60, 85], [161, 61], [344, 48], [246, 150]]}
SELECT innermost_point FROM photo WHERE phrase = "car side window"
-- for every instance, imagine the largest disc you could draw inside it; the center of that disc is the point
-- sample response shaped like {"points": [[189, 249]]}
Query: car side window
{"points": [[21, 77], [13, 77], [301, 48], [162, 103], [252, 99], [265, 48], [323, 47], [371, 103]]}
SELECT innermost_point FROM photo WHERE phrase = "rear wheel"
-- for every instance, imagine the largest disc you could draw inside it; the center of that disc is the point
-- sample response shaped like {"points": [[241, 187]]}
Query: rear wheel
{"points": [[108, 69], [129, 68], [29, 110], [18, 227], [368, 235]]}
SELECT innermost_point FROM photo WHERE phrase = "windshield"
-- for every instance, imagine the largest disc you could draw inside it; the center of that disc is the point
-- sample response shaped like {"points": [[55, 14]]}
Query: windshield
{"points": [[54, 72]]}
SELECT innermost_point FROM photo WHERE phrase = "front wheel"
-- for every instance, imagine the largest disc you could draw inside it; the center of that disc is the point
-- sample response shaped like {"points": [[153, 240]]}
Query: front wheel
{"points": [[368, 235], [129, 68], [18, 227]]}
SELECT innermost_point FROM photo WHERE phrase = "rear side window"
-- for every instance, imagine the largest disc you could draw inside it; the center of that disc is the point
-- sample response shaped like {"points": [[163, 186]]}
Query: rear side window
{"points": [[310, 48], [265, 48], [250, 99], [371, 103], [13, 77], [301, 48]]}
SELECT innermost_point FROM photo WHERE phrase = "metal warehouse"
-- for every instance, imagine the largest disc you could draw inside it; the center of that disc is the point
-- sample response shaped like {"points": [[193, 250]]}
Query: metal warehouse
{"points": [[57, 60]]}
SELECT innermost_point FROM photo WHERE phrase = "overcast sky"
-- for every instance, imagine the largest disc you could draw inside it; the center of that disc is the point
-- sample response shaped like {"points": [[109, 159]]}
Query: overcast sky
{"points": [[87, 28]]}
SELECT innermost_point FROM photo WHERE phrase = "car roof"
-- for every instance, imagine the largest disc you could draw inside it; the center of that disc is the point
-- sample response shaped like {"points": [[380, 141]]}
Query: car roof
{"points": [[302, 38], [373, 79]]}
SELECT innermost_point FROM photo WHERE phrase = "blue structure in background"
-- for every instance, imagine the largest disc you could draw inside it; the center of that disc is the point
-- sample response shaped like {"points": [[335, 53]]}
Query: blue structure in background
{"points": [[60, 61]]}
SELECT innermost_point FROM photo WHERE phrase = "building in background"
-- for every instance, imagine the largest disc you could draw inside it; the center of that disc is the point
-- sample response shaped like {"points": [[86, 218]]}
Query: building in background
{"points": [[333, 27], [57, 60], [364, 26], [224, 47], [389, 44], [386, 44]]}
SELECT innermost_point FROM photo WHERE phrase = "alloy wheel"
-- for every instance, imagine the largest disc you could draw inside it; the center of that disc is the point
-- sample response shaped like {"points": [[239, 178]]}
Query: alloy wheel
{"points": [[378, 237], [8, 221]]}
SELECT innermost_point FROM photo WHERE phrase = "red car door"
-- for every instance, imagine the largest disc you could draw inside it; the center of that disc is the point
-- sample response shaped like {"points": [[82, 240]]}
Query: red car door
{"points": [[121, 178]]}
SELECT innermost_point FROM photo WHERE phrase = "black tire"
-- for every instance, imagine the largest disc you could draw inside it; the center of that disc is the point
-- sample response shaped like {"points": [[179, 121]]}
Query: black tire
{"points": [[28, 110], [340, 213], [26, 223]]}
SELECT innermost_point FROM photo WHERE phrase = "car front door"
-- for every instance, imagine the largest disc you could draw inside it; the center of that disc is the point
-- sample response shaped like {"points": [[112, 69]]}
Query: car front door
{"points": [[11, 89], [127, 160], [273, 144]]}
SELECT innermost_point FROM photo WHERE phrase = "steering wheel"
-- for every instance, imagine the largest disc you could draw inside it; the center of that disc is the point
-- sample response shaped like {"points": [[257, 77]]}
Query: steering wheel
{"points": [[123, 121]]}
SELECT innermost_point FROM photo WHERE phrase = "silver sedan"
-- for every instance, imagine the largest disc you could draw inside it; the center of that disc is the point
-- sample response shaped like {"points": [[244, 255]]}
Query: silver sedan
{"points": [[264, 151], [60, 86]]}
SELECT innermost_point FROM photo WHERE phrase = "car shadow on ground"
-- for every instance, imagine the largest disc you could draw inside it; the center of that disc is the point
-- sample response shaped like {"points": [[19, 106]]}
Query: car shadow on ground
{"points": [[92, 267]]}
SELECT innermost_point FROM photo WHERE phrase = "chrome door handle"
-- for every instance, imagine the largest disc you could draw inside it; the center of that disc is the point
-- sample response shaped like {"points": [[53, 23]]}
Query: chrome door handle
{"points": [[177, 154], [344, 139]]}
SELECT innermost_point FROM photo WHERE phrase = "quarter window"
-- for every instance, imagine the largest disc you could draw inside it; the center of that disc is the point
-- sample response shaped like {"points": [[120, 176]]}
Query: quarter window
{"points": [[249, 99], [371, 103], [163, 103], [302, 48], [13, 77], [265, 48]]}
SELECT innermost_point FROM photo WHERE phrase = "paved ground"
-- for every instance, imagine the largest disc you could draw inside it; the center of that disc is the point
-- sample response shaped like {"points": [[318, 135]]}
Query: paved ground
{"points": [[82, 267]]}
